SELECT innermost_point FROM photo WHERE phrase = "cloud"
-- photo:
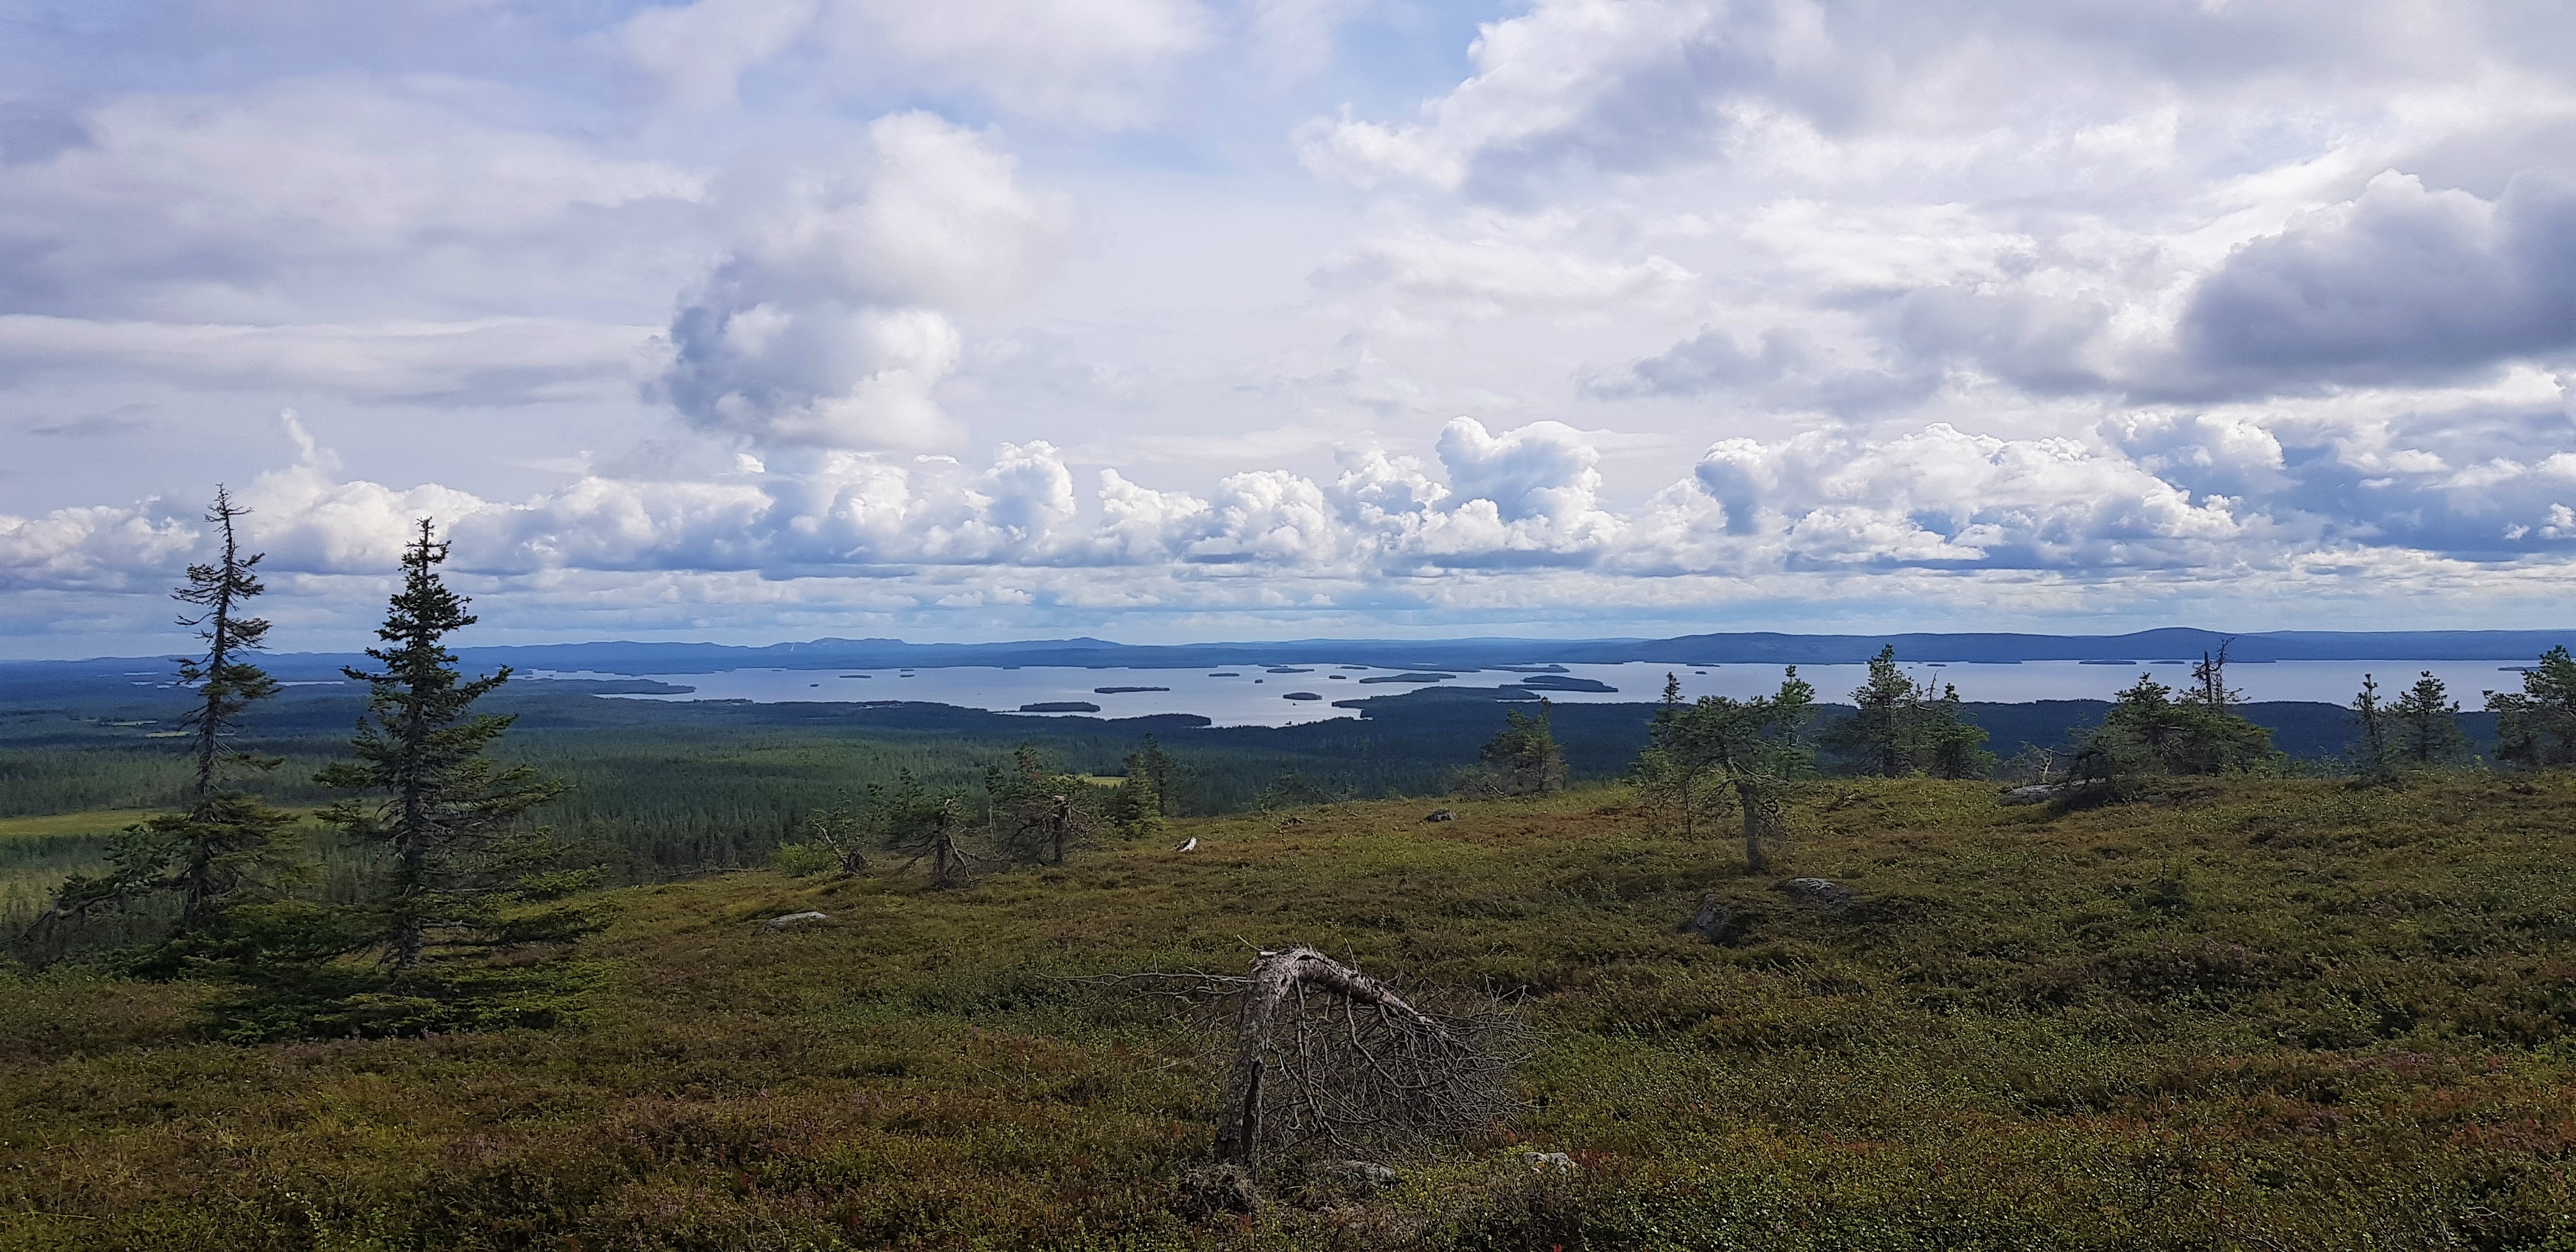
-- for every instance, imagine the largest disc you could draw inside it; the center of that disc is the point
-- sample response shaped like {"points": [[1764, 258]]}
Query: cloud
{"points": [[1077, 60], [492, 361], [1485, 277], [1545, 470], [96, 548], [1942, 497], [157, 218], [1057, 59], [2192, 499], [2399, 284], [832, 320], [699, 50], [1572, 77]]}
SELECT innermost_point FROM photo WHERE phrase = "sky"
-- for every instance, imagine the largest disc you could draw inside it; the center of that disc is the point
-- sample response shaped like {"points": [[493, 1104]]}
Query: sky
{"points": [[1162, 320]]}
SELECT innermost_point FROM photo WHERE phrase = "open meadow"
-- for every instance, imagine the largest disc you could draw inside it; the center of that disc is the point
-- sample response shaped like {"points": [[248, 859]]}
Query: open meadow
{"points": [[2262, 1014]]}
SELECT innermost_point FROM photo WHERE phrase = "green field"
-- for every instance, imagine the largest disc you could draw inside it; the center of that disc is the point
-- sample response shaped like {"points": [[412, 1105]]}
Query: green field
{"points": [[2259, 1014]]}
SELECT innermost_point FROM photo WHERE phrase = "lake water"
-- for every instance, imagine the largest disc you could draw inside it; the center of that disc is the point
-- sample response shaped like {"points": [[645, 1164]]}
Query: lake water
{"points": [[1252, 695]]}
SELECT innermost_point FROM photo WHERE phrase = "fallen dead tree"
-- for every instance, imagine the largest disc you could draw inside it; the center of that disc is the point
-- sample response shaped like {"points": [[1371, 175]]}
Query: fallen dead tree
{"points": [[1325, 1057]]}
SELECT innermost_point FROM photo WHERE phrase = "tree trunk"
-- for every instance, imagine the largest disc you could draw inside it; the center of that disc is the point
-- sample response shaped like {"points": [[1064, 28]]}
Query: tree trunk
{"points": [[1756, 857]]}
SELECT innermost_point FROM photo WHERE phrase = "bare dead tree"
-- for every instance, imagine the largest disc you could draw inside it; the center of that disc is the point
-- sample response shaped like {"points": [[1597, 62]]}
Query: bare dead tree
{"points": [[1324, 1053]]}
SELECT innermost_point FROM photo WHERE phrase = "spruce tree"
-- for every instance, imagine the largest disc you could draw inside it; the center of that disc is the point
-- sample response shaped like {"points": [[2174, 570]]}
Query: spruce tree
{"points": [[1899, 727], [442, 813], [2536, 727], [1524, 754], [2372, 756], [1163, 773], [2427, 721], [1037, 812], [2147, 732], [228, 846]]}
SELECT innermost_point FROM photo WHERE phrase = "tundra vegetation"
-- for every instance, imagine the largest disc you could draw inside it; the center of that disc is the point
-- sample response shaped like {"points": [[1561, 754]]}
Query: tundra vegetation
{"points": [[2207, 996]]}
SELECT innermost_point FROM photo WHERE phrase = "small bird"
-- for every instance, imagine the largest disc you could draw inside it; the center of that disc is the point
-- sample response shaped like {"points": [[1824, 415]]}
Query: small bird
{"points": [[1190, 845]]}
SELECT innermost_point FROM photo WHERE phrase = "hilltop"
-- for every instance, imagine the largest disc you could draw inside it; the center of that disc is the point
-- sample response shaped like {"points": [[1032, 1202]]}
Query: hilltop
{"points": [[2276, 1013]]}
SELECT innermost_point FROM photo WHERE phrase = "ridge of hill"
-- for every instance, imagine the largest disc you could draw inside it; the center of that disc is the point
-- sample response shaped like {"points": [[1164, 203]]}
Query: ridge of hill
{"points": [[1756, 647]]}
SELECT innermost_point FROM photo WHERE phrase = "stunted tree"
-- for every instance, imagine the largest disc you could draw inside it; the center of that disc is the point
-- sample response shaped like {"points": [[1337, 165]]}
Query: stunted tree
{"points": [[2370, 717], [2425, 725], [1133, 808], [2209, 690], [1718, 751], [1524, 756], [915, 822], [1163, 774], [442, 812], [2147, 732], [227, 845], [837, 833], [2536, 727], [1881, 725], [1039, 813], [1900, 727]]}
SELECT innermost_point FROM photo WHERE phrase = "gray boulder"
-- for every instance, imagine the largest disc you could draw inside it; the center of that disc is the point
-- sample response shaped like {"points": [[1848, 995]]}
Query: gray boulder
{"points": [[776, 924], [1557, 1161], [2067, 792], [1717, 921], [1440, 815]]}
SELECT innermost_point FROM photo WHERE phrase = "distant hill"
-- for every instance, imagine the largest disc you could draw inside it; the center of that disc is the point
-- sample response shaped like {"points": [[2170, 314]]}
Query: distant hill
{"points": [[1451, 655]]}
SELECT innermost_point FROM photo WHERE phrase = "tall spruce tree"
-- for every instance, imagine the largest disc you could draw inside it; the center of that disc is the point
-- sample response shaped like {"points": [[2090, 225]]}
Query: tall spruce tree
{"points": [[228, 845], [442, 813]]}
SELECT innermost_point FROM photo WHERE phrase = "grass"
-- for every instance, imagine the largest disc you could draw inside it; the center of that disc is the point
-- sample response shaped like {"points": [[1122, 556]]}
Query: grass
{"points": [[2281, 1014]]}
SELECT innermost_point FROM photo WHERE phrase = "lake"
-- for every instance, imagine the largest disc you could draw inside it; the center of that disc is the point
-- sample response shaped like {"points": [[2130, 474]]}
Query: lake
{"points": [[1253, 695]]}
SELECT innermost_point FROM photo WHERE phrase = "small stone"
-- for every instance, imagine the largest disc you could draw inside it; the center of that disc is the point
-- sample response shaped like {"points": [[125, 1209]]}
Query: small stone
{"points": [[1356, 1175], [1557, 1161], [792, 919], [1213, 1191], [1440, 815], [1822, 893]]}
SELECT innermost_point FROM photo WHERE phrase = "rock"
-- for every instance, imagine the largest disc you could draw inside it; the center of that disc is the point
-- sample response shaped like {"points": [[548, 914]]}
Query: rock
{"points": [[1213, 1191], [1821, 893], [1440, 815], [793, 919], [1356, 1175], [1557, 1161], [1716, 921], [2052, 793], [1292, 821], [1190, 844]]}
